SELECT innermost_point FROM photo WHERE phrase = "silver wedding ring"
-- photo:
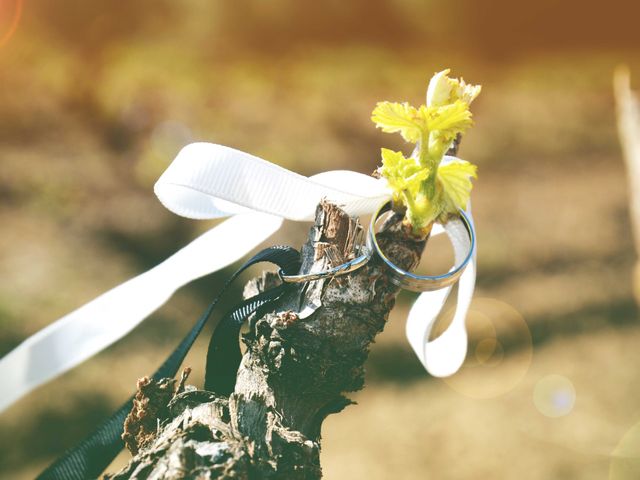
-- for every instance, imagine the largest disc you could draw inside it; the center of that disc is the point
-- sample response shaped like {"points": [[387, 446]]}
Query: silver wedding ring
{"points": [[347, 267], [462, 236]]}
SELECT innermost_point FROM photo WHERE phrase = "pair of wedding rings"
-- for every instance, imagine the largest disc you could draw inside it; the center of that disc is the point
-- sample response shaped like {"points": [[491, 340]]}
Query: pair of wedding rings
{"points": [[460, 232]]}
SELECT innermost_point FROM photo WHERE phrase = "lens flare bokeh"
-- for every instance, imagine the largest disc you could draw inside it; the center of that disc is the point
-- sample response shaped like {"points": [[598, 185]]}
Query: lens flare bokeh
{"points": [[10, 13], [554, 396], [495, 328]]}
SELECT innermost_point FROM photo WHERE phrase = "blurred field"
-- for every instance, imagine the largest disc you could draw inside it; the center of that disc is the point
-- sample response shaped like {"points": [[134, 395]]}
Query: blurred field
{"points": [[96, 100]]}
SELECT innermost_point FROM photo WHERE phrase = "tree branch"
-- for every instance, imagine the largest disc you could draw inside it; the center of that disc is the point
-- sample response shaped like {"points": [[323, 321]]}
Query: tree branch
{"points": [[301, 360], [628, 121]]}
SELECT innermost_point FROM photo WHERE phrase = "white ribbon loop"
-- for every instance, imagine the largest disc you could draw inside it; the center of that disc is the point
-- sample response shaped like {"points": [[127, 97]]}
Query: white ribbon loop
{"points": [[444, 355], [210, 181]]}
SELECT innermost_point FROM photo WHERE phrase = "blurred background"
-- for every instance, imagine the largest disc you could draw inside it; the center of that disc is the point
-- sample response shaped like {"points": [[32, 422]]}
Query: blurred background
{"points": [[96, 98]]}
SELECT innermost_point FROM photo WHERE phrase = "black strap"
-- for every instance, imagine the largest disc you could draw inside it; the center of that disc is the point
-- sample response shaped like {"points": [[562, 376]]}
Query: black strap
{"points": [[93, 455], [223, 354]]}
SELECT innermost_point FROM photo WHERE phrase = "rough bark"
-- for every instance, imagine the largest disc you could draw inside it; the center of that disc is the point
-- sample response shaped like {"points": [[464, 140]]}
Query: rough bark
{"points": [[301, 360]]}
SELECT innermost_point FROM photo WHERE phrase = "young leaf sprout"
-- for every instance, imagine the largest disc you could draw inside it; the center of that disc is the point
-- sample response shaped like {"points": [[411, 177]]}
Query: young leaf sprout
{"points": [[429, 190]]}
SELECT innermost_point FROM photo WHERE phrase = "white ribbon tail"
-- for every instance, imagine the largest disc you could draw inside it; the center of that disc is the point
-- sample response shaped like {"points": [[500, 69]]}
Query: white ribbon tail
{"points": [[84, 332]]}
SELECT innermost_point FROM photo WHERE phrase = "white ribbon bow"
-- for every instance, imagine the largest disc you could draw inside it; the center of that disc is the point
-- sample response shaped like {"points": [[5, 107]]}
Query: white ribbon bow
{"points": [[212, 181]]}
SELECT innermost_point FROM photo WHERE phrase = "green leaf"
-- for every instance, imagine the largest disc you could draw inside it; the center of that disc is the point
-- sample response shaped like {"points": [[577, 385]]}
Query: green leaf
{"points": [[394, 117], [454, 179], [403, 174], [449, 119]]}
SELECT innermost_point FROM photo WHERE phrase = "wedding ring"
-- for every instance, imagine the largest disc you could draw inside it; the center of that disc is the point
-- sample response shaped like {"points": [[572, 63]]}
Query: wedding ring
{"points": [[462, 236], [347, 267]]}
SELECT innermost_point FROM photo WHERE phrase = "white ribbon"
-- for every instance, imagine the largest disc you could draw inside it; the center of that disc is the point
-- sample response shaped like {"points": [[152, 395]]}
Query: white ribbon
{"points": [[212, 181]]}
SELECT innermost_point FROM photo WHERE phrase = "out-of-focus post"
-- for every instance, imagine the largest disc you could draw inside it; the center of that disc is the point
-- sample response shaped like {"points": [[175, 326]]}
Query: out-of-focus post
{"points": [[628, 119]]}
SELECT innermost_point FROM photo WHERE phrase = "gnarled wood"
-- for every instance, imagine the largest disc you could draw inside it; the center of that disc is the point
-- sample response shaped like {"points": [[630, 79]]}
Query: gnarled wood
{"points": [[301, 360]]}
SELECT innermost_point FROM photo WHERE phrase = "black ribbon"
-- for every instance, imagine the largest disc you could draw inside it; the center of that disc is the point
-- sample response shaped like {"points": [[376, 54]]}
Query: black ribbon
{"points": [[93, 455]]}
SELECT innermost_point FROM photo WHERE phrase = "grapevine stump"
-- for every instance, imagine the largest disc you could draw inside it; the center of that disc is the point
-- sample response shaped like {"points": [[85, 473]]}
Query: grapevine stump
{"points": [[301, 360]]}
